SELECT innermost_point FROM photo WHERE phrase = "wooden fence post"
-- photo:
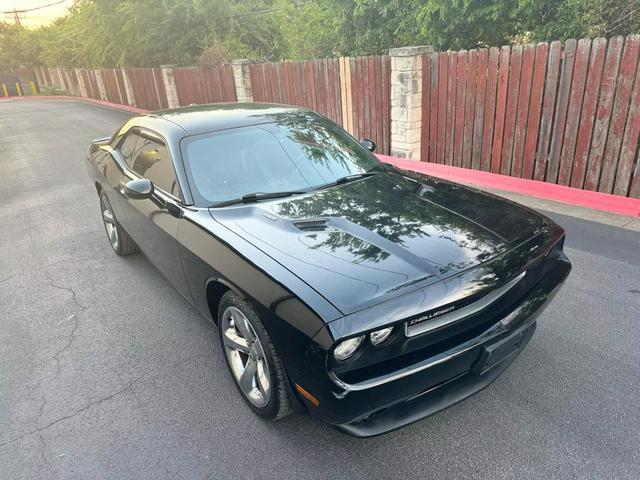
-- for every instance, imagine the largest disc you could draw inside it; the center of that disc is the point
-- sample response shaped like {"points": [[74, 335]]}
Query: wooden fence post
{"points": [[406, 100], [82, 86], [170, 86], [128, 89], [101, 89], [242, 80]]}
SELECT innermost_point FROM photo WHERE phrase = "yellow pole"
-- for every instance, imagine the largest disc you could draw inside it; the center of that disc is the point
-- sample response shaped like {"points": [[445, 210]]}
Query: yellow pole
{"points": [[32, 84], [18, 89], [5, 92]]}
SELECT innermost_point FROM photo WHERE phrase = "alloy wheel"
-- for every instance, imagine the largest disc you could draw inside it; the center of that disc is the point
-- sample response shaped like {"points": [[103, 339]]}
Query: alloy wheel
{"points": [[246, 356], [110, 225]]}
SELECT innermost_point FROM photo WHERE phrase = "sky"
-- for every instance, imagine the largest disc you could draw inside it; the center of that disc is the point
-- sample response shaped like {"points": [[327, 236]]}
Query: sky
{"points": [[35, 18]]}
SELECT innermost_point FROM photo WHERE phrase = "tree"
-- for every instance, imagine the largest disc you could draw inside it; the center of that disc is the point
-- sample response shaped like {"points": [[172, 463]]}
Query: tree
{"points": [[112, 33]]}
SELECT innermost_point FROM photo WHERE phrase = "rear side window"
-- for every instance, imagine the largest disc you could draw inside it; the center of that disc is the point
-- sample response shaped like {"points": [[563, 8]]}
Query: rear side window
{"points": [[152, 160], [128, 147]]}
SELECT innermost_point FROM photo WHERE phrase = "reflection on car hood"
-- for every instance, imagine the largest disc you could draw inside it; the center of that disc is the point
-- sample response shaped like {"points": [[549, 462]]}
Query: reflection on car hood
{"points": [[359, 243]]}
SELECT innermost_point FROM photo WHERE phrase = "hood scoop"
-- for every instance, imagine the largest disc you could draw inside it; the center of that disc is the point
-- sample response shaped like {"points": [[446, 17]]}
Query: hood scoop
{"points": [[311, 224]]}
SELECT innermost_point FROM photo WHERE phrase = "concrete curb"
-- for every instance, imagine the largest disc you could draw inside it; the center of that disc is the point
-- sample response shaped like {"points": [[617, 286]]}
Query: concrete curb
{"points": [[573, 196], [549, 191], [103, 103]]}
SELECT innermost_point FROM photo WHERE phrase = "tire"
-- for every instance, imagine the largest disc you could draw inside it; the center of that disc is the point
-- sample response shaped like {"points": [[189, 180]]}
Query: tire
{"points": [[118, 238], [259, 350]]}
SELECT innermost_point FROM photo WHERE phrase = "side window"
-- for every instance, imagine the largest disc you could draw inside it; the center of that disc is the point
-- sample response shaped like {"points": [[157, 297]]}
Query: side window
{"points": [[128, 147], [152, 161]]}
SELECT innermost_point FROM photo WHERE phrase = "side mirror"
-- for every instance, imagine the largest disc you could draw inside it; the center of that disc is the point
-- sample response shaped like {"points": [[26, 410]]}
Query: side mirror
{"points": [[368, 144], [139, 189]]}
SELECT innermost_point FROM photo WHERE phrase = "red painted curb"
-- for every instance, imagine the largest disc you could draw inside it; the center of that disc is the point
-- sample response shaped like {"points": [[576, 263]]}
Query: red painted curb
{"points": [[77, 99], [574, 196], [559, 193]]}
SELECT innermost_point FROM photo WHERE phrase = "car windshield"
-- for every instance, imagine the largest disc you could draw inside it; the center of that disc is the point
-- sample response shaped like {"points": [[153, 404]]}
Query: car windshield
{"points": [[272, 157]]}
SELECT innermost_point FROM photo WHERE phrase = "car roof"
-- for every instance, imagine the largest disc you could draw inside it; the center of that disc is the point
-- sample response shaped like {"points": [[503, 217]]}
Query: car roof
{"points": [[198, 119]]}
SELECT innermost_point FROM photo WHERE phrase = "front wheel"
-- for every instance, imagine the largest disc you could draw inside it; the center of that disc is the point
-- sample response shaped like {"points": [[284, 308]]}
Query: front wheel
{"points": [[119, 239], [252, 358]]}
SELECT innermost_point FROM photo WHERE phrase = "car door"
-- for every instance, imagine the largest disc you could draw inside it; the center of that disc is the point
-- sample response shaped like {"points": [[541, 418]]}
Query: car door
{"points": [[153, 222]]}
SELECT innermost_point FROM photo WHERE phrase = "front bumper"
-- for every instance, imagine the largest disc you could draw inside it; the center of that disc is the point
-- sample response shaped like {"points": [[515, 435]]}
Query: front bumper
{"points": [[385, 403], [440, 396]]}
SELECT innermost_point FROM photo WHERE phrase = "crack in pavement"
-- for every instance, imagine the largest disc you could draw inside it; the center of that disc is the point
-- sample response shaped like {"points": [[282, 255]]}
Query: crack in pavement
{"points": [[75, 316], [39, 430]]}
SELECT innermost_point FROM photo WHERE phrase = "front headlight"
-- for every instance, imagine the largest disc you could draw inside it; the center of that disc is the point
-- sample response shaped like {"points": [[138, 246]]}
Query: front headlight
{"points": [[381, 335], [347, 348]]}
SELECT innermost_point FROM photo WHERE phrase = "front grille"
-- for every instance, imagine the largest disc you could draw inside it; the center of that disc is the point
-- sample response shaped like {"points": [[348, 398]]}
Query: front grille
{"points": [[447, 314]]}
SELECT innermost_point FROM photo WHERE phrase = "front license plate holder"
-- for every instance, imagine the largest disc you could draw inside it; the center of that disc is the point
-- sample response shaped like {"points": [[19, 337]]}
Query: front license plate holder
{"points": [[500, 351]]}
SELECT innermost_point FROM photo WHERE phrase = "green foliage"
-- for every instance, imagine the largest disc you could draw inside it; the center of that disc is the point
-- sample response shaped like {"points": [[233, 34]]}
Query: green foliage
{"points": [[185, 32]]}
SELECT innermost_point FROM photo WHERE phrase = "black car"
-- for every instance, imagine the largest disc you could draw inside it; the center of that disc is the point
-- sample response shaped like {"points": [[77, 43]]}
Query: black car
{"points": [[366, 295]]}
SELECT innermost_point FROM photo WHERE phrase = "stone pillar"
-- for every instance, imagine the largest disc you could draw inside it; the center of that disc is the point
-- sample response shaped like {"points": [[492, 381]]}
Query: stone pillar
{"points": [[53, 76], [170, 86], [63, 84], [406, 100], [101, 89], [81, 85], [45, 82], [242, 80], [36, 71], [128, 89], [72, 86]]}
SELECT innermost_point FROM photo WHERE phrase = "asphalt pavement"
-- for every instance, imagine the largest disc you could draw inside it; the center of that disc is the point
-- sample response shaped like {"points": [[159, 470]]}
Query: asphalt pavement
{"points": [[107, 372]]}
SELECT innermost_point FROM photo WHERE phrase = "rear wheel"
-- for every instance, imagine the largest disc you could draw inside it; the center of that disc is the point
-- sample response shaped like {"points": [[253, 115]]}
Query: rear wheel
{"points": [[118, 238], [252, 358]]}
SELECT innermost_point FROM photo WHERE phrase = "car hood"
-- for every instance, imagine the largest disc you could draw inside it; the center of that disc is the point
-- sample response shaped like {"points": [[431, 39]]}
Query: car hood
{"points": [[359, 243]]}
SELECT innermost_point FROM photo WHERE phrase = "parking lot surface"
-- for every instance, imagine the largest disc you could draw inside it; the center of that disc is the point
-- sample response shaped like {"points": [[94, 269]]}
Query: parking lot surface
{"points": [[107, 372]]}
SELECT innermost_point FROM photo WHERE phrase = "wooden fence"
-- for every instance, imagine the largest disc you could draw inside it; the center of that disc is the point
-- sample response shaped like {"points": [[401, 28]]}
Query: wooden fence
{"points": [[314, 84], [562, 114], [566, 114], [367, 103], [204, 85], [353, 92]]}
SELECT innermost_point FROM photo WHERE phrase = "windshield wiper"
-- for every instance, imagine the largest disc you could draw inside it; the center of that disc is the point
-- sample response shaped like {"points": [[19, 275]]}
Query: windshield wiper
{"points": [[347, 179], [355, 176], [256, 197]]}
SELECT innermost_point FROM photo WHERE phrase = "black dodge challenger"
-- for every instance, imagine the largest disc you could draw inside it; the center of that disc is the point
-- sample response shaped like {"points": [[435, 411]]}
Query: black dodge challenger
{"points": [[366, 295]]}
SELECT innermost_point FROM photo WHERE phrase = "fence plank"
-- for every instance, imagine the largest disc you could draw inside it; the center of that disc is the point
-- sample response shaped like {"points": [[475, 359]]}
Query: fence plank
{"points": [[433, 107], [512, 109], [386, 103], [546, 122], [478, 127], [470, 100], [426, 102], [451, 105], [442, 104], [535, 109], [526, 78], [461, 87], [490, 109], [629, 143], [587, 117], [619, 115], [562, 105], [366, 99], [501, 108], [603, 113], [581, 63]]}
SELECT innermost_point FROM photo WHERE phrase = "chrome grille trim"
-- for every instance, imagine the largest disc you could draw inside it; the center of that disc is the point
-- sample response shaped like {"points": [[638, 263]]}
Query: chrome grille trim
{"points": [[466, 311]]}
